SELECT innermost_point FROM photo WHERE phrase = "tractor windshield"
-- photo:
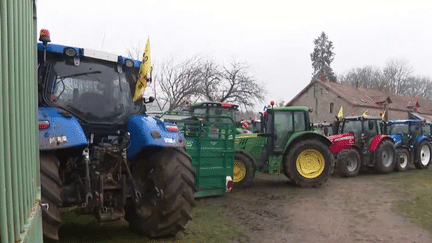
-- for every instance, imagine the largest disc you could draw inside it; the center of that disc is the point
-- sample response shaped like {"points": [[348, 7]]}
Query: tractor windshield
{"points": [[398, 128], [354, 126], [94, 90], [216, 113]]}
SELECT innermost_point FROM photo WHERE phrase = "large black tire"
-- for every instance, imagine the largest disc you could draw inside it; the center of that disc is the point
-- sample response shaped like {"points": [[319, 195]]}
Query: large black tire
{"points": [[403, 159], [244, 172], [50, 193], [348, 163], [423, 158], [385, 160], [170, 171], [308, 163]]}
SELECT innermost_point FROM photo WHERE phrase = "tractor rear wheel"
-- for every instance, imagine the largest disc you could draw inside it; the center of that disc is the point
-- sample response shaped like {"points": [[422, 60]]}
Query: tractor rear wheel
{"points": [[308, 163], [385, 157], [423, 155], [348, 163], [402, 159], [166, 182], [244, 172], [50, 195]]}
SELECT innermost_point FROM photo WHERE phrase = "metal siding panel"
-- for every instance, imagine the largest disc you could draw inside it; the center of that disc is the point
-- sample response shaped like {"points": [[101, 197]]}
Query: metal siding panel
{"points": [[19, 161]]}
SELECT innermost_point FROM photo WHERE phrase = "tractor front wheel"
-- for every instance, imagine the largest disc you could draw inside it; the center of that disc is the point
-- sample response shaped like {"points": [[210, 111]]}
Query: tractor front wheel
{"points": [[348, 163], [423, 155], [402, 159], [308, 163], [244, 172], [50, 195], [385, 157], [166, 182]]}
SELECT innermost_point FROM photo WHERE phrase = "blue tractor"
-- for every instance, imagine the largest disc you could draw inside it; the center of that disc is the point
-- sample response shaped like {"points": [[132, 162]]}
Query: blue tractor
{"points": [[411, 142], [100, 153]]}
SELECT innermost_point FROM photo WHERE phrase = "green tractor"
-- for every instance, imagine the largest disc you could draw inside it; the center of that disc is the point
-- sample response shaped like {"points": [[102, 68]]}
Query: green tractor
{"points": [[287, 143]]}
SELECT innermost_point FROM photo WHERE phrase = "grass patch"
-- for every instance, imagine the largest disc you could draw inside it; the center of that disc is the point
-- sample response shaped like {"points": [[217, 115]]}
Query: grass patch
{"points": [[416, 196], [210, 224]]}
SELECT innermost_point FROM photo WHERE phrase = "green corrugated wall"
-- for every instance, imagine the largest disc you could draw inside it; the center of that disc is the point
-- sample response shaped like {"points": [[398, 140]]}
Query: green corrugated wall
{"points": [[20, 214]]}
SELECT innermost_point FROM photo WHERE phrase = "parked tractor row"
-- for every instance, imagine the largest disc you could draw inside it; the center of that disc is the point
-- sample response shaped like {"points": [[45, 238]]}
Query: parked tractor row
{"points": [[364, 142]]}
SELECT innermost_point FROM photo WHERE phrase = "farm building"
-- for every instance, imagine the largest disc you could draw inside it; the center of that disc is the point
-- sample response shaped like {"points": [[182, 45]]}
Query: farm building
{"points": [[326, 98]]}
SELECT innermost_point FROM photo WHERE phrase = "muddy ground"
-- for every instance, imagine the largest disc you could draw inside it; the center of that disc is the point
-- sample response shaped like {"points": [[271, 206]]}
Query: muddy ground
{"points": [[360, 209]]}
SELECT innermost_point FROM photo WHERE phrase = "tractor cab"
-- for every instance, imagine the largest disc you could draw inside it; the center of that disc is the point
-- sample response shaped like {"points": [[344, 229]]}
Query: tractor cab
{"points": [[364, 129], [283, 123], [412, 141]]}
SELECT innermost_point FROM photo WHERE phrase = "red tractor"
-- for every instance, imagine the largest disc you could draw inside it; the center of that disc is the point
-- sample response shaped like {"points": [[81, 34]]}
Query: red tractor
{"points": [[360, 142]]}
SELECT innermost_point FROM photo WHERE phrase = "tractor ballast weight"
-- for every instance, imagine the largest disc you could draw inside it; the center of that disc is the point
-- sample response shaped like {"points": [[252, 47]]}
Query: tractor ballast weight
{"points": [[412, 142], [361, 142], [100, 153]]}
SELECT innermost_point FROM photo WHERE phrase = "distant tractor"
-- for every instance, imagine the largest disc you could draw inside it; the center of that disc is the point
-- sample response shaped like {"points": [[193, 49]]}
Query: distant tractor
{"points": [[361, 142], [412, 143], [287, 143]]}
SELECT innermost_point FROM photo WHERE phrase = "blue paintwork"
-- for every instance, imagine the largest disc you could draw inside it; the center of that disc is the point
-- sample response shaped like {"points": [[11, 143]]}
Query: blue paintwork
{"points": [[397, 138], [60, 126], [59, 49], [140, 127], [405, 121], [421, 138]]}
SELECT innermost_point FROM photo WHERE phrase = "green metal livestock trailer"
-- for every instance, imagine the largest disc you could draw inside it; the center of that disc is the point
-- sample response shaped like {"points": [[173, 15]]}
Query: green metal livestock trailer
{"points": [[20, 209]]}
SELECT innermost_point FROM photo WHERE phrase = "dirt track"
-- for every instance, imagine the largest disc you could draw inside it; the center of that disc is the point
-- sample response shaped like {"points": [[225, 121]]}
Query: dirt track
{"points": [[343, 210]]}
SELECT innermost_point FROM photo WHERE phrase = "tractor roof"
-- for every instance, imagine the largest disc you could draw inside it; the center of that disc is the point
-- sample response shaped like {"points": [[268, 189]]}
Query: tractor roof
{"points": [[361, 118], [291, 108], [85, 52], [405, 121], [215, 104]]}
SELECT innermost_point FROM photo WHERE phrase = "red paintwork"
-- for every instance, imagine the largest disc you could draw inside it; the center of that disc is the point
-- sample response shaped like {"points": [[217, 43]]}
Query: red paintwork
{"points": [[376, 141], [341, 142]]}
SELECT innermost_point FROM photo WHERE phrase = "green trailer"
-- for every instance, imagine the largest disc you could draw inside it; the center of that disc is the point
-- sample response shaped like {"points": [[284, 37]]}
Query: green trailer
{"points": [[211, 147]]}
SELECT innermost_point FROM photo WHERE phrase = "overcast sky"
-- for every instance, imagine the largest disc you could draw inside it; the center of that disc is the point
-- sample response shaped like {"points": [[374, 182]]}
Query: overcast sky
{"points": [[274, 37]]}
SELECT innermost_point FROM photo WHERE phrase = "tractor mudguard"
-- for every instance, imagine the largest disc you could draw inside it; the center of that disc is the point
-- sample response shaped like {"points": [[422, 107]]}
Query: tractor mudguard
{"points": [[306, 135], [150, 131], [397, 138], [255, 165], [377, 140], [62, 130], [421, 138]]}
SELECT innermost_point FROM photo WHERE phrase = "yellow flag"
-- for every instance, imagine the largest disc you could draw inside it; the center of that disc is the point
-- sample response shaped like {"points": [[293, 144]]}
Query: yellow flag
{"points": [[383, 114], [144, 73], [340, 114], [365, 113]]}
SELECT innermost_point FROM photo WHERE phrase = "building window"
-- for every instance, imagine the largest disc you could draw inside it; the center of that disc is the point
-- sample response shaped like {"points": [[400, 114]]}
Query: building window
{"points": [[331, 108]]}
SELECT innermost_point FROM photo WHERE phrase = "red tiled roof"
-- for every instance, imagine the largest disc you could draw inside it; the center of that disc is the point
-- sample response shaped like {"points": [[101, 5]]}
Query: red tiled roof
{"points": [[373, 98]]}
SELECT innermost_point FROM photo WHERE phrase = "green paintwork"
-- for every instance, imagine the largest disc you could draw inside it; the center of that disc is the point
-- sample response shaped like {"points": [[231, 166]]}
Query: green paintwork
{"points": [[275, 162], [212, 153], [291, 108], [20, 213], [251, 143]]}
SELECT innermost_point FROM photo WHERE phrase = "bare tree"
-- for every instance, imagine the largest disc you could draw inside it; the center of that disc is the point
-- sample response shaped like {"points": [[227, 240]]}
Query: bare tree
{"points": [[367, 77], [396, 74], [231, 84], [178, 82]]}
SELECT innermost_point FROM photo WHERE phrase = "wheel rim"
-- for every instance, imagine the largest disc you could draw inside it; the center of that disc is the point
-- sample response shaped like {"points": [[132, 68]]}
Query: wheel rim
{"points": [[310, 163], [387, 157], [239, 171], [403, 160], [352, 163], [425, 155]]}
